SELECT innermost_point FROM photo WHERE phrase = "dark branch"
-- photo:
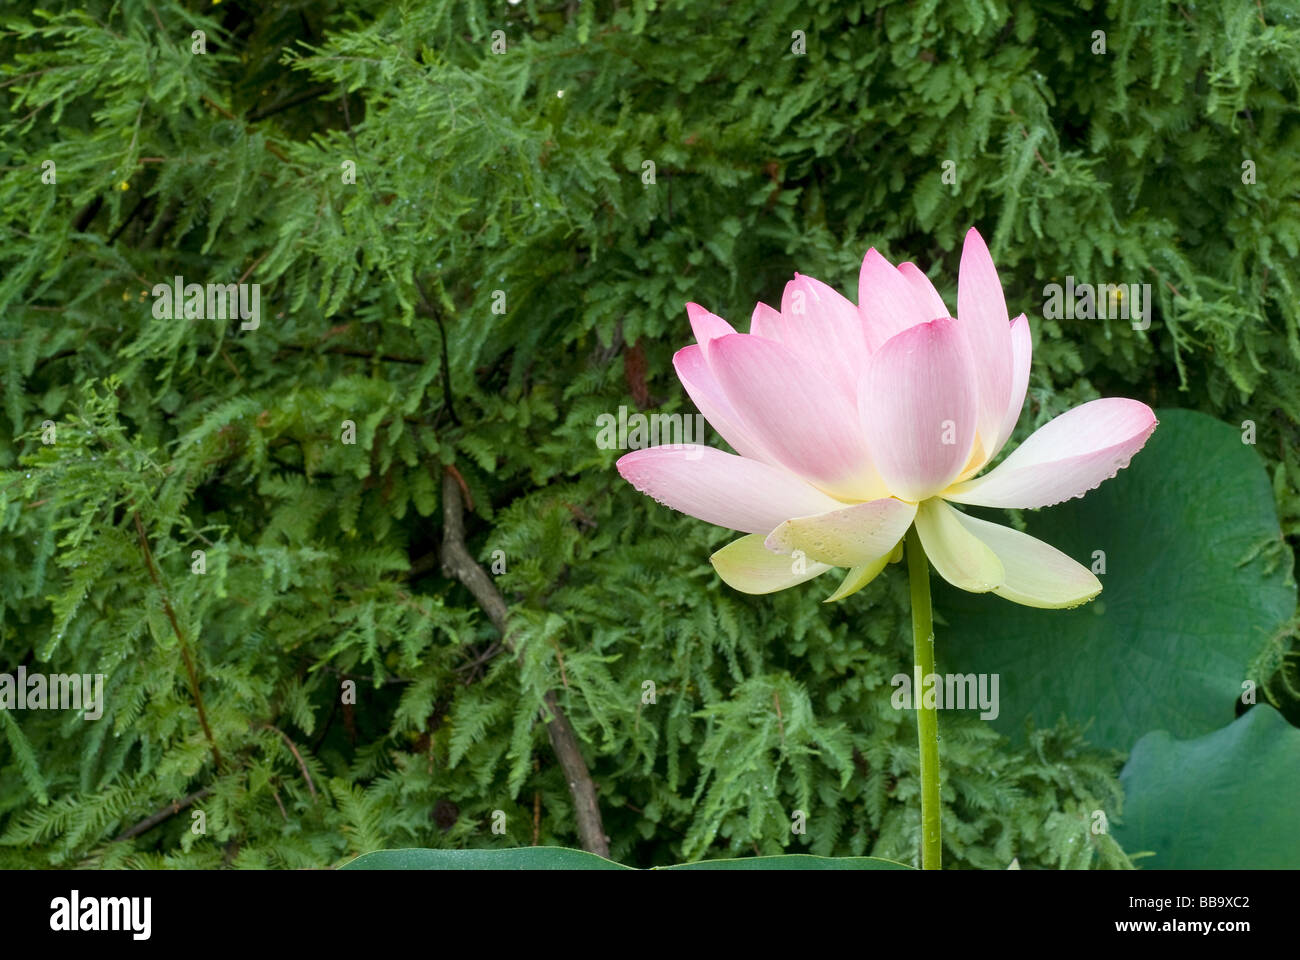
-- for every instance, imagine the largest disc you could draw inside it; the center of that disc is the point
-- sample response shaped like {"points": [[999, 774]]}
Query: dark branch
{"points": [[180, 638], [457, 562], [151, 821]]}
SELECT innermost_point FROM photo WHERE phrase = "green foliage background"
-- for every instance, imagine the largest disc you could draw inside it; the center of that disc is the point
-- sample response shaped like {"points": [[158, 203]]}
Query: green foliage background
{"points": [[522, 172]]}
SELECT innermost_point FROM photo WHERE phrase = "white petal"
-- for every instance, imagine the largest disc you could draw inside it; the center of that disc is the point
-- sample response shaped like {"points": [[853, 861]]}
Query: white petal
{"points": [[750, 567], [1037, 574], [956, 554]]}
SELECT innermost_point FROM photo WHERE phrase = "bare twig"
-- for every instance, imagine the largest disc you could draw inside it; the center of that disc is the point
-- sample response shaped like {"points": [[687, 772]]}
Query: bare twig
{"points": [[218, 107], [474, 665], [180, 638], [564, 677], [151, 821], [426, 305], [1025, 132], [1172, 289], [458, 563], [780, 721], [353, 352], [422, 565], [306, 775], [464, 487], [231, 363], [162, 31], [263, 113], [256, 263]]}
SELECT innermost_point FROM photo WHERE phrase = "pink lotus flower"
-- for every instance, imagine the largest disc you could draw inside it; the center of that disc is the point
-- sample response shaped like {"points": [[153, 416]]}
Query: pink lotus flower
{"points": [[853, 423]]}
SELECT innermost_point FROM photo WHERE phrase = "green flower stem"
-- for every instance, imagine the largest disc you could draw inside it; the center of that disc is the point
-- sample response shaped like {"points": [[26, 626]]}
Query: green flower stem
{"points": [[927, 718]]}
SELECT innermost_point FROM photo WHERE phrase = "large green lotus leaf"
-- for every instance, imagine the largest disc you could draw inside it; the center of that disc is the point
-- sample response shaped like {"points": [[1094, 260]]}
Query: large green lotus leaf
{"points": [[562, 858], [1225, 801], [521, 858], [1197, 579], [794, 861]]}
